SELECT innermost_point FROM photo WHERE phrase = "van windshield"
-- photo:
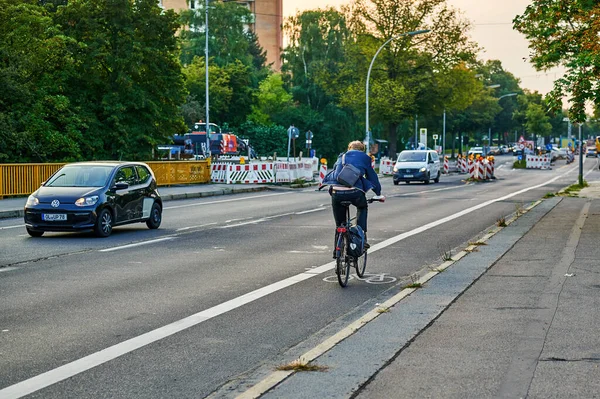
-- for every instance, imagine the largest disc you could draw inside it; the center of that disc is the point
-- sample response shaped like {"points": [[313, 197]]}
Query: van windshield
{"points": [[411, 156]]}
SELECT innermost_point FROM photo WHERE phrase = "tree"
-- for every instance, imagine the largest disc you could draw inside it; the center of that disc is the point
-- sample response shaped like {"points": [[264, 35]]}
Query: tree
{"points": [[272, 98], [37, 120], [231, 96], [405, 70], [127, 83], [565, 33], [537, 122]]}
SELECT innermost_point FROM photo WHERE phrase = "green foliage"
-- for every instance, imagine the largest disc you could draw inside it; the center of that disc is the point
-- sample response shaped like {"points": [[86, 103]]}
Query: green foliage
{"points": [[37, 122], [537, 120], [565, 33], [127, 81], [271, 99], [266, 139]]}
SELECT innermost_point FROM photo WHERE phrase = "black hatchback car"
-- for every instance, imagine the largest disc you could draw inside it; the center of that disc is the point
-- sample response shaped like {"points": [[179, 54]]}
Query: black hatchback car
{"points": [[94, 196]]}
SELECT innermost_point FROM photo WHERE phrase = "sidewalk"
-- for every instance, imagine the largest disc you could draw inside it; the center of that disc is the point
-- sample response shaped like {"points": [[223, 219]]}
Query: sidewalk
{"points": [[518, 317], [13, 207]]}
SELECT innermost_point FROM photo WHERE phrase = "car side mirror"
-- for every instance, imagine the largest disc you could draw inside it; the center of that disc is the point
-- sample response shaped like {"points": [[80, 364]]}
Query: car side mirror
{"points": [[120, 186]]}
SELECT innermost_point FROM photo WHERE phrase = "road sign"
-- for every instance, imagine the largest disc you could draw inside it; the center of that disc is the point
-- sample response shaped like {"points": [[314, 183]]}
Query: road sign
{"points": [[309, 135], [435, 136], [293, 132], [521, 146]]}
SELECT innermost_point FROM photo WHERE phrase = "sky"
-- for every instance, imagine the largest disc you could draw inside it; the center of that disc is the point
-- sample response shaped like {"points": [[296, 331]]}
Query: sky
{"points": [[492, 30]]}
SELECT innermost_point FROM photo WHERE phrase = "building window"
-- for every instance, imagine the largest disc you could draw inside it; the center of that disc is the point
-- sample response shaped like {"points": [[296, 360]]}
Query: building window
{"points": [[192, 4]]}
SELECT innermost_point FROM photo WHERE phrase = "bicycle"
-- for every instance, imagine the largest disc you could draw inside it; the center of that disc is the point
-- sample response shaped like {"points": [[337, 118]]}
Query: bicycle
{"points": [[343, 260]]}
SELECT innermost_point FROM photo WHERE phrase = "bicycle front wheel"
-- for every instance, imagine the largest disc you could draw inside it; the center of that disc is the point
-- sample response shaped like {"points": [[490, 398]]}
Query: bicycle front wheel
{"points": [[361, 264], [342, 268]]}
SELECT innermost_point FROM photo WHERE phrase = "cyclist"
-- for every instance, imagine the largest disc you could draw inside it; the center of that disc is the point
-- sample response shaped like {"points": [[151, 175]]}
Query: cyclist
{"points": [[368, 180]]}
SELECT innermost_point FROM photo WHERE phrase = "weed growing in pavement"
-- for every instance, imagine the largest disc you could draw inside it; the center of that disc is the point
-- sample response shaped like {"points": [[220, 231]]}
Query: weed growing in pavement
{"points": [[413, 285], [574, 189], [501, 222], [478, 243], [383, 310], [299, 365], [446, 254], [549, 195], [519, 210]]}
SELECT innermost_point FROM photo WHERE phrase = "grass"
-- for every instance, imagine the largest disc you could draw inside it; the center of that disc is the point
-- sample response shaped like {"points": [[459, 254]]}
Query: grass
{"points": [[549, 195], [519, 209], [299, 365], [414, 285], [573, 189], [522, 164], [478, 243], [383, 310], [501, 222]]}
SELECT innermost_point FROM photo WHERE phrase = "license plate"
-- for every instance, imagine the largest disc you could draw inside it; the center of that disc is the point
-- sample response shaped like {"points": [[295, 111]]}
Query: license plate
{"points": [[408, 176], [53, 217]]}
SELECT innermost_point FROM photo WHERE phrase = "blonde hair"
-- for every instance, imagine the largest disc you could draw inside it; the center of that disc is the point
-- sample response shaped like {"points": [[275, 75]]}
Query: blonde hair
{"points": [[356, 145]]}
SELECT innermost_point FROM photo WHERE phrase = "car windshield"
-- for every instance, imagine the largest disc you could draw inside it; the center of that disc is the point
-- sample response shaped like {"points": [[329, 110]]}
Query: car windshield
{"points": [[409, 156], [80, 176]]}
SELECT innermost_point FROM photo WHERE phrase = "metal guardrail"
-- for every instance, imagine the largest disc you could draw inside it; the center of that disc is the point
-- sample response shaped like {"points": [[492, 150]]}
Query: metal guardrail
{"points": [[23, 179]]}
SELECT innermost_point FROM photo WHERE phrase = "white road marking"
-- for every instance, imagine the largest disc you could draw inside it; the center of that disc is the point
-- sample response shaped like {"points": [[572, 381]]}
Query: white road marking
{"points": [[11, 227], [309, 211], [195, 227], [78, 366], [223, 201], [137, 244], [244, 223]]}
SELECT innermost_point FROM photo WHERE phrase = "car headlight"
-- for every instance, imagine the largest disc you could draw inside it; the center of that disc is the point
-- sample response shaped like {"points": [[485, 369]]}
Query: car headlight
{"points": [[32, 201], [423, 169], [395, 169], [87, 201]]}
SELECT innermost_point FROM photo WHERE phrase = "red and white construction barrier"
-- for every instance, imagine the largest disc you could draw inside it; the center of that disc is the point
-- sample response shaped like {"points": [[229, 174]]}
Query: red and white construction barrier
{"points": [[446, 165], [538, 161], [322, 173], [251, 173], [386, 166]]}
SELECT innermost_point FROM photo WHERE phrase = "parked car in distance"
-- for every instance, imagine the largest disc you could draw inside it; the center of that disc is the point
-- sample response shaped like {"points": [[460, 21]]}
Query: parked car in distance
{"points": [[494, 151], [94, 196], [475, 151], [504, 149], [420, 165], [590, 152]]}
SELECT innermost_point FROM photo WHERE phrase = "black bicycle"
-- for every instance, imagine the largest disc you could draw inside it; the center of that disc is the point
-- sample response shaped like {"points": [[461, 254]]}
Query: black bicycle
{"points": [[343, 259]]}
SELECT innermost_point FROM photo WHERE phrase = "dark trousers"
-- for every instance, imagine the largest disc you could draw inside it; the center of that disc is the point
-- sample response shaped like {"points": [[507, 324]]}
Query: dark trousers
{"points": [[358, 199]]}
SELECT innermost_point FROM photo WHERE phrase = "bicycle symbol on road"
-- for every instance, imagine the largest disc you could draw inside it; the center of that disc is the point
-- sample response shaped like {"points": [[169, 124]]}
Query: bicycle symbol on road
{"points": [[371, 278]]}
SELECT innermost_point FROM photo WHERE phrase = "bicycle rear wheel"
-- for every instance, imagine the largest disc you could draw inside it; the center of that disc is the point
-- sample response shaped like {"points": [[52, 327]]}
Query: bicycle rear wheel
{"points": [[342, 266], [360, 265]]}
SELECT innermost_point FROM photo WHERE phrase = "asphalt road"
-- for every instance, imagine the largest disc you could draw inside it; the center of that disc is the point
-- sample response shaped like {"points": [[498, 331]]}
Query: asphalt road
{"points": [[227, 287]]}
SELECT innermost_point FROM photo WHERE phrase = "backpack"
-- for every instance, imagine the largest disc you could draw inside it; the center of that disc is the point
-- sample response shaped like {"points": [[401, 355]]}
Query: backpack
{"points": [[356, 246]]}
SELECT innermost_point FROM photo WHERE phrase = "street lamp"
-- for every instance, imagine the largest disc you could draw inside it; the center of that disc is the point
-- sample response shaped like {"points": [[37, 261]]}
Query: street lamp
{"points": [[490, 129], [207, 153], [368, 130]]}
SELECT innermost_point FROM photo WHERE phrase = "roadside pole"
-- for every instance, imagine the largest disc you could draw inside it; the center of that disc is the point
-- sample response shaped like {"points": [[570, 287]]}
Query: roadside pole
{"points": [[580, 158]]}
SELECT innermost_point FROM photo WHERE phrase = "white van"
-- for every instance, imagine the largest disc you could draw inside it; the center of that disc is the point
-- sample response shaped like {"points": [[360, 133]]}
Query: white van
{"points": [[421, 165]]}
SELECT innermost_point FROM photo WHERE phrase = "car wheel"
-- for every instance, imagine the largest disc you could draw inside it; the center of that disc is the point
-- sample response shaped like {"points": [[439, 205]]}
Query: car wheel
{"points": [[407, 182], [437, 179], [426, 181], [155, 217], [34, 233], [104, 223], [396, 182]]}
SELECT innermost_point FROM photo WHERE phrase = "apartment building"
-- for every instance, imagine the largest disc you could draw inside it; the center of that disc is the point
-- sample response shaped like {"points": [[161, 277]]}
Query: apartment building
{"points": [[266, 23]]}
